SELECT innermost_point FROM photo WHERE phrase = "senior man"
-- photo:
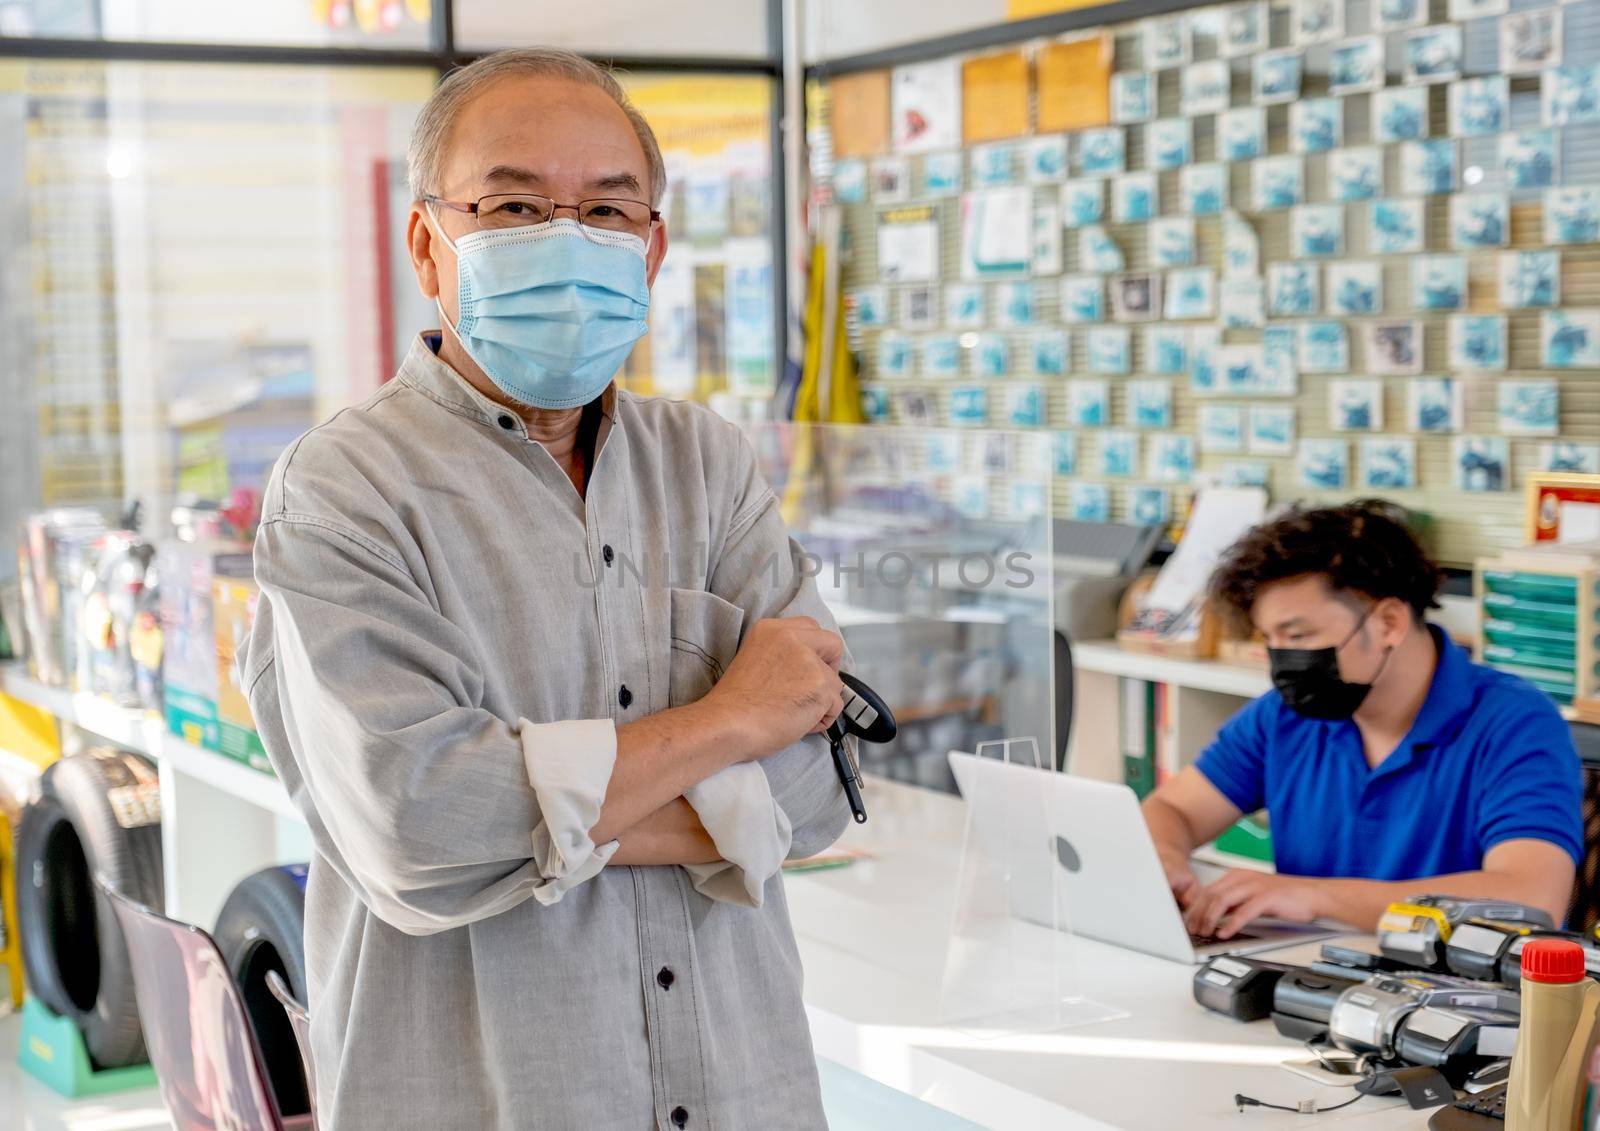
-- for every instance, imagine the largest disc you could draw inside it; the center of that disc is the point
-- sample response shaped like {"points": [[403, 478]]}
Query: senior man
{"points": [[533, 659]]}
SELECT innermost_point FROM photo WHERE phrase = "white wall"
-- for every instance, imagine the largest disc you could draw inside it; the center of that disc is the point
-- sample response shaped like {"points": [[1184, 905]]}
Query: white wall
{"points": [[835, 28], [731, 28]]}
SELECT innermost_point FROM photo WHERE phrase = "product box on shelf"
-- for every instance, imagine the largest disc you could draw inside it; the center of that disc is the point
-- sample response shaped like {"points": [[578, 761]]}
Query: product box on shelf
{"points": [[1540, 619], [54, 548], [188, 572], [234, 612]]}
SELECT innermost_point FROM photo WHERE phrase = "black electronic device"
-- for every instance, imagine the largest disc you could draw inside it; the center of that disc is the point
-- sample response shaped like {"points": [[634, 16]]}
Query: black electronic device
{"points": [[1456, 1040], [1416, 931], [1303, 1000], [1237, 987], [866, 716], [1476, 947], [1367, 1017], [1346, 962], [1511, 960], [1485, 1111]]}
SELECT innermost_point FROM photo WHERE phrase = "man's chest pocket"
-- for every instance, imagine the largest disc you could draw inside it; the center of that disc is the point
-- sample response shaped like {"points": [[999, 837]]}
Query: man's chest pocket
{"points": [[705, 638]]}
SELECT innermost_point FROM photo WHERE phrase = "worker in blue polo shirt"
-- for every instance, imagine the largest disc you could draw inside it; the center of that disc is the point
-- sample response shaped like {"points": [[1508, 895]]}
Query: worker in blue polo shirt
{"points": [[1389, 763]]}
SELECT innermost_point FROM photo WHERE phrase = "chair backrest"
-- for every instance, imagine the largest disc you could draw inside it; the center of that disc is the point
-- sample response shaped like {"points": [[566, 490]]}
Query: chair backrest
{"points": [[300, 1022], [1584, 911], [195, 1026]]}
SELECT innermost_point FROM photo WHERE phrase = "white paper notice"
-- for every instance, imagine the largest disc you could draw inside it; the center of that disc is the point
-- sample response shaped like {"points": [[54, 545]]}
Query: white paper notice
{"points": [[908, 245], [927, 106], [996, 232], [1580, 522], [1221, 515]]}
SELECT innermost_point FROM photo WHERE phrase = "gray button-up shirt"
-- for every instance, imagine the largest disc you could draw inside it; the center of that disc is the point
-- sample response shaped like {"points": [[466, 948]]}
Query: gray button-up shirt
{"points": [[447, 636]]}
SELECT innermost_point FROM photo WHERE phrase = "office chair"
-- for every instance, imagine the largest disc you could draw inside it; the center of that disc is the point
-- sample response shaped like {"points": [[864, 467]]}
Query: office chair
{"points": [[1584, 910], [195, 1026], [300, 1022]]}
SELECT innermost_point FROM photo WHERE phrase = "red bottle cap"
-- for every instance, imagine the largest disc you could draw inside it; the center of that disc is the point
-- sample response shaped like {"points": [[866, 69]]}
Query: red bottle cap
{"points": [[1558, 961]]}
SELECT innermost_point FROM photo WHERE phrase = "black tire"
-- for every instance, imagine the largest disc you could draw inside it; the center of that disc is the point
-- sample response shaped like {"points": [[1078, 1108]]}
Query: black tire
{"points": [[72, 948], [262, 929]]}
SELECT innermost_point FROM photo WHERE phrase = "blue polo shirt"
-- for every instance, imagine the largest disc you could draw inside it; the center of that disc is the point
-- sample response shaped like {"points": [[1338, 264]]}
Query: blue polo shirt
{"points": [[1488, 759]]}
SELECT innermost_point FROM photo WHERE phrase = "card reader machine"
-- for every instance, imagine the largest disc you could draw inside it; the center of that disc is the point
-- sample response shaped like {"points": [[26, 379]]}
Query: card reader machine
{"points": [[1367, 1017], [1303, 1000], [1417, 930], [1477, 947], [1456, 1039], [1511, 961], [1241, 988]]}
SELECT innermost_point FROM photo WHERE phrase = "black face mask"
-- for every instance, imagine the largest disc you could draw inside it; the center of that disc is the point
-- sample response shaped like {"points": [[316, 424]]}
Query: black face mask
{"points": [[1309, 681]]}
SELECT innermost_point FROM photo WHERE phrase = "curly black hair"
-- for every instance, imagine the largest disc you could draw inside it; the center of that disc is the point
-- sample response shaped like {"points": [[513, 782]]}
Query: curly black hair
{"points": [[1361, 547]]}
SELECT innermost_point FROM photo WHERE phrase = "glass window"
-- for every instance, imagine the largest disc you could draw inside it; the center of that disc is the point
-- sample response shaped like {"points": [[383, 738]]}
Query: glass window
{"points": [[379, 24], [197, 261], [711, 310], [641, 28]]}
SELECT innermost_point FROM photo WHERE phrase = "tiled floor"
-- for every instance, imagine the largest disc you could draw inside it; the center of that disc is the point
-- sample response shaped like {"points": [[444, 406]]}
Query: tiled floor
{"points": [[27, 1105]]}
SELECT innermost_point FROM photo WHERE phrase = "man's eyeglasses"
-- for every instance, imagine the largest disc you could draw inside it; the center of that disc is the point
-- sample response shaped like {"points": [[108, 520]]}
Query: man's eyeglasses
{"points": [[523, 210]]}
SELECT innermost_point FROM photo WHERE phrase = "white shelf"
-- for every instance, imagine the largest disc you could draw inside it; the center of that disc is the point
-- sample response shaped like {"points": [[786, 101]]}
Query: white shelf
{"points": [[148, 735], [1106, 657]]}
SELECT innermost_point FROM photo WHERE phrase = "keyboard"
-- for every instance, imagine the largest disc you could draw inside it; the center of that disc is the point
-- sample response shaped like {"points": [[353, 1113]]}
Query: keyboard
{"points": [[1485, 1111], [1198, 941]]}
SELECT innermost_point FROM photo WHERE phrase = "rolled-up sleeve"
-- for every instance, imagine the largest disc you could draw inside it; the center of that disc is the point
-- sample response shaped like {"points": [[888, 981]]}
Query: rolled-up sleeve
{"points": [[757, 571], [750, 829], [437, 812]]}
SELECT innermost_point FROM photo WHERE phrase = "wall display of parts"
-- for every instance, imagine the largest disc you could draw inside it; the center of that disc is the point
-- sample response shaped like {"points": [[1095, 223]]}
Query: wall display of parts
{"points": [[98, 813], [261, 930]]}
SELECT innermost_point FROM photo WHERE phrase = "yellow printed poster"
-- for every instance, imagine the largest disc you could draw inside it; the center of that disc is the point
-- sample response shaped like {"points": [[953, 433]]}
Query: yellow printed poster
{"points": [[859, 105], [1074, 84], [1028, 9], [994, 97]]}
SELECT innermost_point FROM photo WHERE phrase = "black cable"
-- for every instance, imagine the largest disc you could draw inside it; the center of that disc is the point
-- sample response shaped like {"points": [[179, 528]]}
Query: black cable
{"points": [[1244, 1101]]}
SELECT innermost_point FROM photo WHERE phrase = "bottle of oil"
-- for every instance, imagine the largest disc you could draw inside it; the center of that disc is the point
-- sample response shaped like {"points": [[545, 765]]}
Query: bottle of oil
{"points": [[1554, 1040]]}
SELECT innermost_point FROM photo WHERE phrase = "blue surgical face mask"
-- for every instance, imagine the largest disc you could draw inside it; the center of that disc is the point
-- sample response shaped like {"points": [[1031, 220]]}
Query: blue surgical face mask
{"points": [[550, 312]]}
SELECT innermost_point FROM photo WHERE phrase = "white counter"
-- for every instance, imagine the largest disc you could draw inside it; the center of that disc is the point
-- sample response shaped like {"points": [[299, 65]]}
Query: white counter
{"points": [[873, 938]]}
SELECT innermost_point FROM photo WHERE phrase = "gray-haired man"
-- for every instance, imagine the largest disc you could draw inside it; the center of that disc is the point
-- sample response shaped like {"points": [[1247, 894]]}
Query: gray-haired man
{"points": [[550, 795]]}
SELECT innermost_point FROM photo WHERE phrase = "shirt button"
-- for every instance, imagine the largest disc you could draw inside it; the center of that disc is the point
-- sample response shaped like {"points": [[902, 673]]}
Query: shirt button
{"points": [[680, 1116], [624, 696], [665, 978], [605, 552], [507, 422]]}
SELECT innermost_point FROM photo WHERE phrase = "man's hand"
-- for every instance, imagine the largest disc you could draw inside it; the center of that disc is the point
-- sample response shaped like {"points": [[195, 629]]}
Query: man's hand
{"points": [[1180, 877], [1226, 906], [783, 684]]}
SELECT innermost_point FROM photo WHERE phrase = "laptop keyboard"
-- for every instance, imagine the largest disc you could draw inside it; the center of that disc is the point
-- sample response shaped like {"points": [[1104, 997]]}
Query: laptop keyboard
{"points": [[1198, 941]]}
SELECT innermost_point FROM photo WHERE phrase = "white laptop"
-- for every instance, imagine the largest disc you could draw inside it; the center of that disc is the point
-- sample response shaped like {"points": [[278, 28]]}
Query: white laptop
{"points": [[1110, 884]]}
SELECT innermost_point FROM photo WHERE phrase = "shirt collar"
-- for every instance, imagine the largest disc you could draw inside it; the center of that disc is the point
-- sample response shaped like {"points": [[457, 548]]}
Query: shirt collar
{"points": [[1450, 699], [423, 370]]}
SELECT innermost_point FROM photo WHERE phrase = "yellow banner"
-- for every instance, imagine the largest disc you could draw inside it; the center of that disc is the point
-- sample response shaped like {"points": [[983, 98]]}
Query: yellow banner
{"points": [[1028, 9]]}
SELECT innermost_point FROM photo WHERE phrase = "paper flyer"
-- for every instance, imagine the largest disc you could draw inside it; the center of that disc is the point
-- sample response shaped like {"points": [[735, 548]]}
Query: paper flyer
{"points": [[1074, 84], [994, 97], [858, 114], [908, 245], [672, 345], [750, 347], [996, 233], [927, 106]]}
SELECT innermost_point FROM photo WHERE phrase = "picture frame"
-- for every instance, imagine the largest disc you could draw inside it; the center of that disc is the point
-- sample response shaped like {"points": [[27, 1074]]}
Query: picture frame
{"points": [[943, 173], [1242, 134], [990, 356], [1102, 152], [1277, 183], [1098, 252], [1082, 299], [1136, 297], [1052, 353], [1275, 76], [1572, 214], [1530, 279], [1393, 347], [1433, 54], [890, 180], [965, 306], [1244, 29], [1243, 303], [1355, 174], [1530, 41], [1355, 288], [1439, 282], [1166, 350], [1133, 97], [1168, 42], [1024, 403], [1316, 231], [1400, 113], [1149, 506], [1220, 428], [1323, 465], [1315, 21], [875, 404], [1271, 430], [1480, 220], [1387, 463], [1205, 349], [1172, 241], [1356, 66], [871, 305], [1150, 404], [850, 181], [1316, 125], [1530, 159], [1396, 227], [1528, 408], [1089, 502], [1203, 189], [1544, 496], [1016, 304], [919, 307], [1569, 339], [1171, 458], [1083, 202], [1169, 143], [1480, 463], [1108, 349], [1205, 88], [894, 353], [1088, 403], [1566, 457], [1322, 346], [1477, 343], [1191, 293], [1435, 405], [994, 164], [1293, 290], [941, 356], [1044, 159], [1428, 167], [1355, 405], [1479, 106], [1119, 455], [1398, 15], [1570, 94], [1135, 198]]}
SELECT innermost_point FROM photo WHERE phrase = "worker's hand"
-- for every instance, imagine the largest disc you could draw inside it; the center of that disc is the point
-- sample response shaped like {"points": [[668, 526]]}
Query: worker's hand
{"points": [[1239, 896], [1180, 877], [783, 685]]}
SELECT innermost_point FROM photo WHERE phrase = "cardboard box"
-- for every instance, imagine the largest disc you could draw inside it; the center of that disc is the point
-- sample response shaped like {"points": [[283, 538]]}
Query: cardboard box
{"points": [[187, 571]]}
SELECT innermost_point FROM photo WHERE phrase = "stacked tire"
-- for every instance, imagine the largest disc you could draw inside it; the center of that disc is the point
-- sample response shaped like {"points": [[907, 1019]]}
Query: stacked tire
{"points": [[261, 930], [97, 813]]}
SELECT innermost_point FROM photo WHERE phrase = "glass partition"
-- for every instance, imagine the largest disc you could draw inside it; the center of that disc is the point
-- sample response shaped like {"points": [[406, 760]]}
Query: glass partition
{"points": [[941, 580], [373, 24]]}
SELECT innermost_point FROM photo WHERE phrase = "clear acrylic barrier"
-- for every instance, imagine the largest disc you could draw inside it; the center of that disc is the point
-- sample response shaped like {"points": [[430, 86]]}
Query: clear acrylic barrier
{"points": [[932, 547], [1010, 967]]}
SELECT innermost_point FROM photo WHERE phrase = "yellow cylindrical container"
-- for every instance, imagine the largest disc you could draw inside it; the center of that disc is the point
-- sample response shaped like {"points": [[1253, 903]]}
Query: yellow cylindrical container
{"points": [[1558, 1014]]}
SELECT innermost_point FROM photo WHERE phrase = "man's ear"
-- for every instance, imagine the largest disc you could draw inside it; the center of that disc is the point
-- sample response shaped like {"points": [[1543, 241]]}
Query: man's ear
{"points": [[1394, 618], [422, 247], [655, 251]]}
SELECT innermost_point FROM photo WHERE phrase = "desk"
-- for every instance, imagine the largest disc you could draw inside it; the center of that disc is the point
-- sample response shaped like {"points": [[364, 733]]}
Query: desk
{"points": [[873, 935]]}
